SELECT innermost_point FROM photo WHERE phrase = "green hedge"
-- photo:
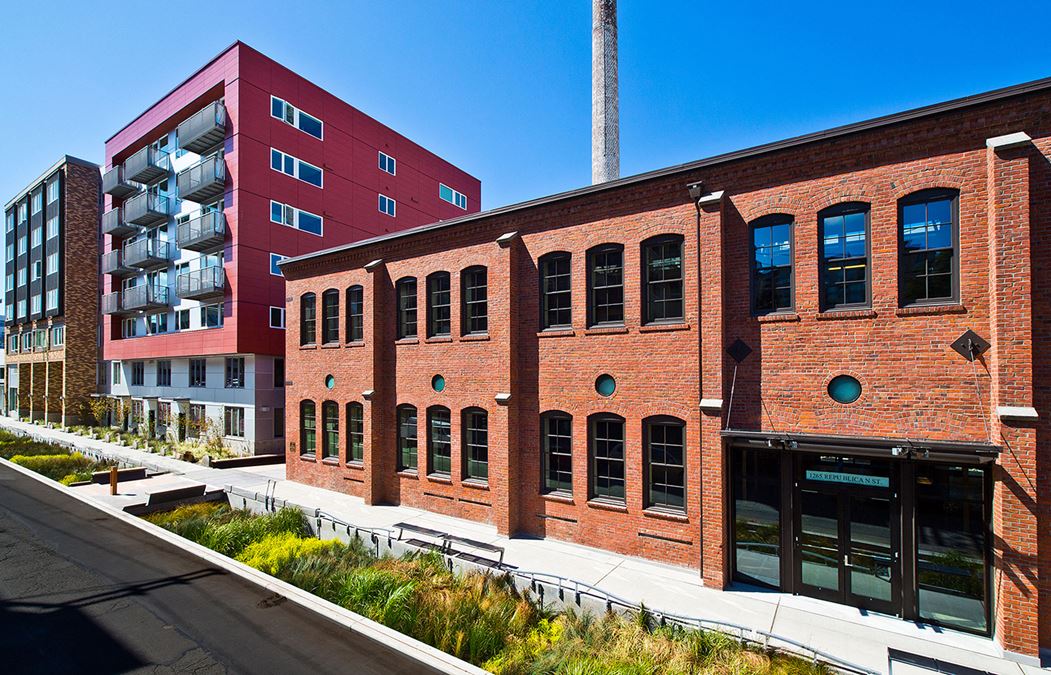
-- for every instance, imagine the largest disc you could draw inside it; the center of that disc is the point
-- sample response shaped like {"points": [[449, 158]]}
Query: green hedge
{"points": [[55, 467]]}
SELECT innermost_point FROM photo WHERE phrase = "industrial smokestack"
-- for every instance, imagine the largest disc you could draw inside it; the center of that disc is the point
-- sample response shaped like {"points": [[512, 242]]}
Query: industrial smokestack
{"points": [[605, 119]]}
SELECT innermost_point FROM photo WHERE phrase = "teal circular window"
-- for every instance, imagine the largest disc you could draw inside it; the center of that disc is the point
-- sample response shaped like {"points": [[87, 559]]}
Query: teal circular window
{"points": [[605, 385], [438, 383], [330, 381], [844, 389]]}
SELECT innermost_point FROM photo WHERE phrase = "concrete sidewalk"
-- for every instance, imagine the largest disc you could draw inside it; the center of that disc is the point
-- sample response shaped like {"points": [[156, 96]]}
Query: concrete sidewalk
{"points": [[846, 632]]}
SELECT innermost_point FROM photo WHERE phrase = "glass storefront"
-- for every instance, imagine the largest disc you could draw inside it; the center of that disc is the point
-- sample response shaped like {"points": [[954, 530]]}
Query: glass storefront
{"points": [[757, 516]]}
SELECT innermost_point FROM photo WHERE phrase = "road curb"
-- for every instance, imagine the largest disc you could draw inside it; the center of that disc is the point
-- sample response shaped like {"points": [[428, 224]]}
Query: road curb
{"points": [[421, 652]]}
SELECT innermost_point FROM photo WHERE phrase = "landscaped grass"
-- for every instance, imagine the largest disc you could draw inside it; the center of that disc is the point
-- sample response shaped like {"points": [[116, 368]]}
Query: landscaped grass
{"points": [[481, 618], [53, 461]]}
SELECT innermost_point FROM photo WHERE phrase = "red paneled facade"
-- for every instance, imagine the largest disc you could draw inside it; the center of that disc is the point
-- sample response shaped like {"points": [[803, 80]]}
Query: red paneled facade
{"points": [[795, 401]]}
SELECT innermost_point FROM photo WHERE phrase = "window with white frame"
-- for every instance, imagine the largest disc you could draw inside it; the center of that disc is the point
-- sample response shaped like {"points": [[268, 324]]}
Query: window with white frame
{"points": [[11, 251], [52, 263], [20, 308], [234, 422], [182, 319], [38, 269], [277, 317], [38, 236], [27, 341], [157, 323], [388, 164], [21, 276], [116, 372], [452, 196], [22, 248], [212, 316], [387, 205], [40, 337], [23, 213], [52, 227], [52, 191], [275, 258], [58, 336], [289, 114], [130, 328], [297, 168], [38, 202], [297, 218], [52, 299], [10, 220], [35, 304], [10, 281]]}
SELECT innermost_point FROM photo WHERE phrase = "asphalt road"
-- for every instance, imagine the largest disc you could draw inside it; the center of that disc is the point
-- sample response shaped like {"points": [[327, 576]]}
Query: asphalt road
{"points": [[82, 592]]}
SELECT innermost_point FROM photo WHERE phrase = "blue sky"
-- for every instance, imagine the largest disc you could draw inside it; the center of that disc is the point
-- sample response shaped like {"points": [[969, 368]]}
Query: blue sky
{"points": [[503, 89]]}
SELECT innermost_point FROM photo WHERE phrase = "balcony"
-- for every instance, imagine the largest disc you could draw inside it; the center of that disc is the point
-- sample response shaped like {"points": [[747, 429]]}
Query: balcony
{"points": [[204, 129], [146, 208], [203, 233], [111, 304], [201, 284], [114, 183], [113, 263], [146, 297], [147, 254], [113, 222], [146, 165], [203, 181]]}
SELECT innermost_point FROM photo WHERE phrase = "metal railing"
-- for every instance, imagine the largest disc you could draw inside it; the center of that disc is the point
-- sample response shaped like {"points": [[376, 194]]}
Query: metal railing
{"points": [[208, 228], [204, 128], [208, 281], [203, 180]]}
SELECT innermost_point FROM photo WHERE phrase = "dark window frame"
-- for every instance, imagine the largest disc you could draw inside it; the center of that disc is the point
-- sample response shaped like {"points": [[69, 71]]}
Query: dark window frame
{"points": [[843, 209], [164, 368], [414, 452], [432, 469], [592, 290], [648, 425], [329, 437], [594, 421], [279, 372], [546, 453], [439, 327], [922, 197], [330, 317], [544, 274], [307, 319], [648, 315], [304, 432], [234, 372], [193, 365], [138, 373], [771, 220], [468, 443], [355, 314], [468, 307], [401, 297], [355, 436]]}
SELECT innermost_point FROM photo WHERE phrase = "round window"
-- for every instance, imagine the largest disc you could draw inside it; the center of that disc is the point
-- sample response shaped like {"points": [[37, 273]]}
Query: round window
{"points": [[605, 385], [438, 383], [330, 381], [844, 389]]}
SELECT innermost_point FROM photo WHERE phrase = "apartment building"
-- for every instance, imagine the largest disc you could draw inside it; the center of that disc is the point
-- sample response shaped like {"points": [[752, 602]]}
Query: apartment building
{"points": [[240, 166], [51, 293], [810, 367]]}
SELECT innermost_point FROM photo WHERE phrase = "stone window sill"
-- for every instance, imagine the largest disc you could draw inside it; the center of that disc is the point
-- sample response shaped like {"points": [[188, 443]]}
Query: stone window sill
{"points": [[617, 507], [663, 327], [558, 497], [924, 310], [475, 484], [606, 330], [331, 345], [409, 473], [557, 333], [660, 514], [442, 478], [308, 346], [837, 314], [358, 343], [356, 465], [407, 341], [475, 337], [438, 339], [331, 461], [308, 458], [778, 317]]}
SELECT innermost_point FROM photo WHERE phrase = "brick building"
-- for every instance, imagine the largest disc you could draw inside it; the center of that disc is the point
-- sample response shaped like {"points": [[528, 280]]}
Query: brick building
{"points": [[757, 364], [52, 293], [241, 165]]}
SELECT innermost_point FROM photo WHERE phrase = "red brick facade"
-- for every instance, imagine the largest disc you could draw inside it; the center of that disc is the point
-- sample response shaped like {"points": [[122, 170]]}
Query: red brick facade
{"points": [[914, 386]]}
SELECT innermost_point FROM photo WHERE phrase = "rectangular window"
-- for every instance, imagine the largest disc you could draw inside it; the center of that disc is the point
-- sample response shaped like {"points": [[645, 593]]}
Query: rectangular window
{"points": [[11, 251], [235, 372], [772, 265], [182, 319], [557, 443], [138, 373], [355, 432], [279, 422], [307, 319], [129, 328], [438, 305], [452, 196], [355, 314], [35, 302], [10, 221], [27, 341], [52, 263], [387, 205], [756, 518], [212, 316], [52, 299], [40, 336], [844, 256], [52, 191], [297, 168], [52, 227], [37, 267], [475, 294], [164, 373], [23, 213], [198, 372], [297, 218], [439, 441], [10, 281], [116, 372], [234, 422], [307, 428], [22, 248], [38, 236], [388, 164], [330, 425], [295, 117], [277, 317], [198, 420], [929, 240], [406, 308], [12, 344], [275, 258], [58, 336], [556, 299], [606, 285], [330, 317], [666, 463], [663, 302], [22, 276], [38, 202], [607, 458], [21, 308], [279, 373], [407, 452], [157, 323], [476, 445]]}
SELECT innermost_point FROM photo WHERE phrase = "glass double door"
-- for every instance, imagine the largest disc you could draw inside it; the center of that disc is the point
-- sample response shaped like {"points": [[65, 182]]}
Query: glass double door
{"points": [[847, 545]]}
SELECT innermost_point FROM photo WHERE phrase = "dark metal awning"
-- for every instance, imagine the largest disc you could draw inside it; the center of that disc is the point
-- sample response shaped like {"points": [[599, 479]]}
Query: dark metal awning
{"points": [[915, 448]]}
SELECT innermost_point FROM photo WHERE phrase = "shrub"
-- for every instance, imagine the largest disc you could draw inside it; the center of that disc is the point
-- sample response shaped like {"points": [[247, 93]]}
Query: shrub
{"points": [[54, 467], [274, 553]]}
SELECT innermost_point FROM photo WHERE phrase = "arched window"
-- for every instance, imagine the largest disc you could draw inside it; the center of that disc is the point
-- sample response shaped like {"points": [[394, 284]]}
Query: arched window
{"points": [[439, 316], [772, 270], [355, 314], [844, 233], [606, 285], [606, 457], [330, 424], [475, 435], [439, 441], [330, 317], [662, 279], [405, 290], [556, 298], [355, 432], [665, 457], [929, 265], [474, 289], [307, 319], [307, 428], [556, 442], [407, 452]]}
